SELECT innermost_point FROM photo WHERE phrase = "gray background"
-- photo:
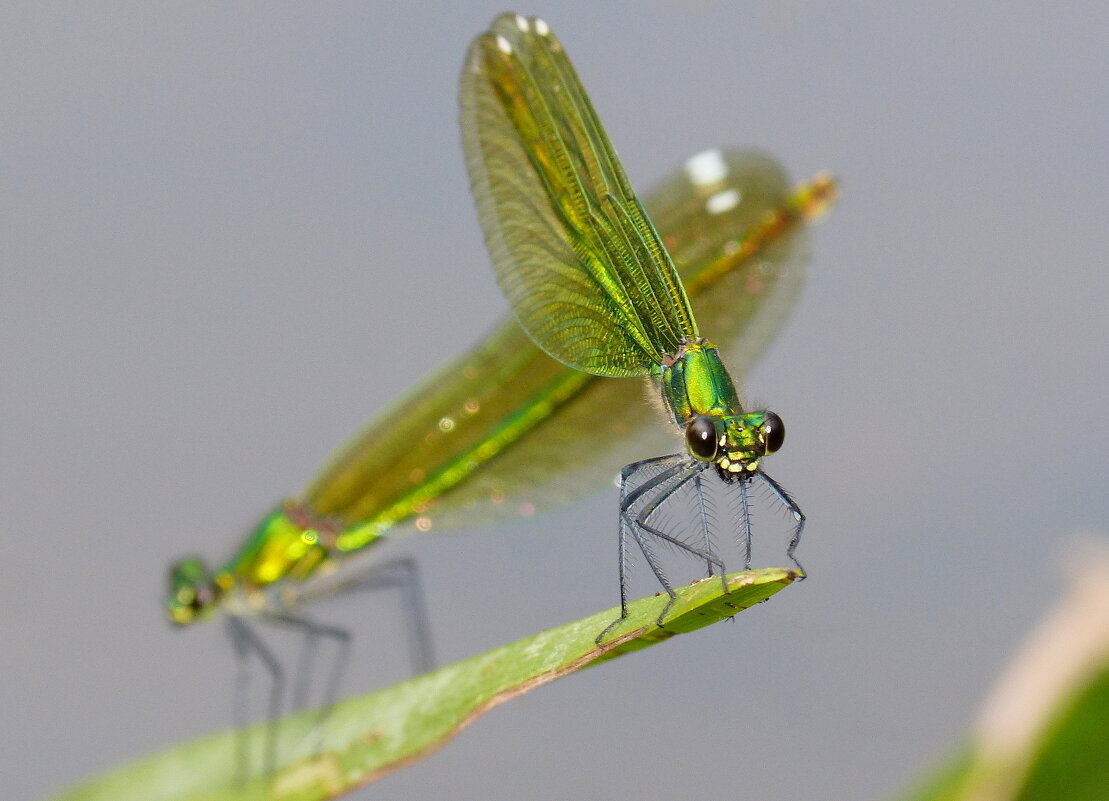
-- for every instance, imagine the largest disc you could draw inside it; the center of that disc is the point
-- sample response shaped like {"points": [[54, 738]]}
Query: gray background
{"points": [[231, 233]]}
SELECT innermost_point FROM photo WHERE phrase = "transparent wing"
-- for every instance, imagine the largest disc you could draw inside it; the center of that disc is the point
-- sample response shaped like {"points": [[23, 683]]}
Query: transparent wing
{"points": [[744, 264], [504, 430], [582, 267]]}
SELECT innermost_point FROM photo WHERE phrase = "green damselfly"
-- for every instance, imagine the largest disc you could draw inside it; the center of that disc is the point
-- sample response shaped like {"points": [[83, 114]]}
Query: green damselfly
{"points": [[504, 429], [590, 279]]}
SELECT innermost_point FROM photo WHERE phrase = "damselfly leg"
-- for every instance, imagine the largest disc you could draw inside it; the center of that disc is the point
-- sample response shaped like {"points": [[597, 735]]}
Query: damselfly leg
{"points": [[246, 641], [401, 574], [798, 516], [648, 486], [638, 502]]}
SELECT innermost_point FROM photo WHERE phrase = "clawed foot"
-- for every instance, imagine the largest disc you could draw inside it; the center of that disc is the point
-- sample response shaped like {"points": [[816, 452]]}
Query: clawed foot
{"points": [[609, 628]]}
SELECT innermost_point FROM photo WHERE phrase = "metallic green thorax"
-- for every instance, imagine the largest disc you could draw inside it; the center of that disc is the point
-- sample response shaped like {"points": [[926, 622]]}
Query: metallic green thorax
{"points": [[287, 543], [695, 383]]}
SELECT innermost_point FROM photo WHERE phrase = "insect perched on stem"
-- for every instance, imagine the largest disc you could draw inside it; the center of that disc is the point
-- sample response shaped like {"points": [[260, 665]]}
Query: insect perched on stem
{"points": [[592, 283]]}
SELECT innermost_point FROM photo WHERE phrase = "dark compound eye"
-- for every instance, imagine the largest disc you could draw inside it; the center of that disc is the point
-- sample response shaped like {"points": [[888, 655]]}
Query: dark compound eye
{"points": [[773, 432], [701, 439]]}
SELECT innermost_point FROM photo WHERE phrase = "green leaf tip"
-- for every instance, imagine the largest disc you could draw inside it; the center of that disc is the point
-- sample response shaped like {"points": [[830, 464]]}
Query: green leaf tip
{"points": [[698, 605], [369, 736]]}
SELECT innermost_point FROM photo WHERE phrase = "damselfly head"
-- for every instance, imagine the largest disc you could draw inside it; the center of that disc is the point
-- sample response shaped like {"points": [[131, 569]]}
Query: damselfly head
{"points": [[735, 443], [192, 592]]}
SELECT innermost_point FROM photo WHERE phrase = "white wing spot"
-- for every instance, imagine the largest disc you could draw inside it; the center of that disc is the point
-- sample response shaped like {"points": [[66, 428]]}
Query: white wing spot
{"points": [[503, 45], [707, 167], [541, 27], [722, 201], [522, 23]]}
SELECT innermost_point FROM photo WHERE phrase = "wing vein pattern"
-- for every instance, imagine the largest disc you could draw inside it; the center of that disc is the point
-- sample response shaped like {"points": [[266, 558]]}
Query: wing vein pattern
{"points": [[577, 257]]}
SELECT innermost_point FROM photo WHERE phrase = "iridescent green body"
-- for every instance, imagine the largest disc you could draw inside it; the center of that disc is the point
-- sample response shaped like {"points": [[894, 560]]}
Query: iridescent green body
{"points": [[453, 450]]}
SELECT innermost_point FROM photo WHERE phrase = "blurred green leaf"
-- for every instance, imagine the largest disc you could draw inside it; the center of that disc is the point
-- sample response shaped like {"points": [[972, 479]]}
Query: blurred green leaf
{"points": [[1043, 734], [946, 782], [1073, 762]]}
